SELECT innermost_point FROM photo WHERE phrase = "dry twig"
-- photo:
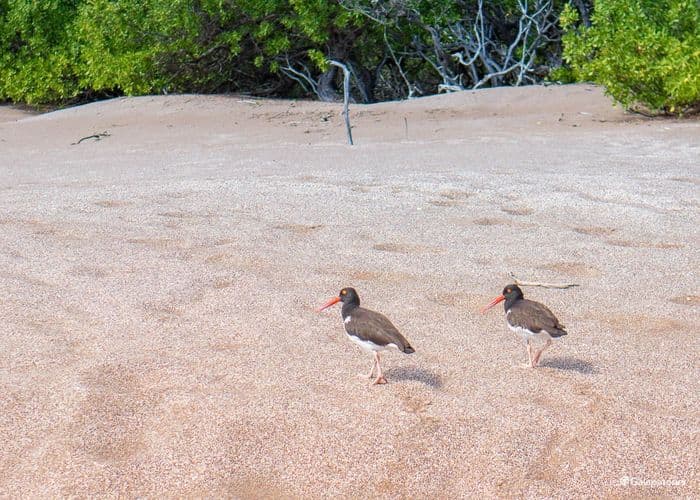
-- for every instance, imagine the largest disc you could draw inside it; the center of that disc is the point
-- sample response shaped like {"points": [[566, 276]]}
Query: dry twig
{"points": [[544, 285], [96, 136]]}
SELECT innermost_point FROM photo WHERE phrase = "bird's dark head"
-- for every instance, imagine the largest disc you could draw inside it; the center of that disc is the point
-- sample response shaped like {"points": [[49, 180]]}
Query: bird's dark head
{"points": [[510, 294], [347, 295]]}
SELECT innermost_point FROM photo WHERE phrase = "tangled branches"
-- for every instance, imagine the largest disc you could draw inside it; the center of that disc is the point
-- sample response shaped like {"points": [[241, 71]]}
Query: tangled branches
{"points": [[467, 44]]}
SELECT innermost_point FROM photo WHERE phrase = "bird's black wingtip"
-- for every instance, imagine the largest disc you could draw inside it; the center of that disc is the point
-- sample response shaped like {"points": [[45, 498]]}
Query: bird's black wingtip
{"points": [[409, 350]]}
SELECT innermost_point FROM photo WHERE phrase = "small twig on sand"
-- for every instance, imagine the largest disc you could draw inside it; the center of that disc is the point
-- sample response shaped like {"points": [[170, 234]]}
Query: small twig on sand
{"points": [[544, 285], [96, 136]]}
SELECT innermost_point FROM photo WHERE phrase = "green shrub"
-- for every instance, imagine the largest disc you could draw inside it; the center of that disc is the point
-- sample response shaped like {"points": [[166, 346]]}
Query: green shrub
{"points": [[54, 50], [141, 47], [37, 53], [645, 52]]}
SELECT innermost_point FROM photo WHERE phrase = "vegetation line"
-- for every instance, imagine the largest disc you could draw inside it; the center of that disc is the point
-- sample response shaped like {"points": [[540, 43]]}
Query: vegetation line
{"points": [[645, 52]]}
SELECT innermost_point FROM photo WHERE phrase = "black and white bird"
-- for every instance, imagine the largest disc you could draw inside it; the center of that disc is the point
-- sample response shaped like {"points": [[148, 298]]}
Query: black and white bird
{"points": [[369, 329], [530, 319]]}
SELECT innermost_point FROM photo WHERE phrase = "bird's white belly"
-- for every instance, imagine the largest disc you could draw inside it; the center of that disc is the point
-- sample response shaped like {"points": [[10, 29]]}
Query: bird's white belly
{"points": [[368, 345]]}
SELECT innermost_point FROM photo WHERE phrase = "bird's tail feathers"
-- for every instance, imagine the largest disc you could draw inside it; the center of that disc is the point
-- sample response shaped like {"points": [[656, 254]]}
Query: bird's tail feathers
{"points": [[557, 333]]}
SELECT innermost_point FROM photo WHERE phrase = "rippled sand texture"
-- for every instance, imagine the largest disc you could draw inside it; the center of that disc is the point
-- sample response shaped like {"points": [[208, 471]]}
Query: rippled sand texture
{"points": [[158, 285]]}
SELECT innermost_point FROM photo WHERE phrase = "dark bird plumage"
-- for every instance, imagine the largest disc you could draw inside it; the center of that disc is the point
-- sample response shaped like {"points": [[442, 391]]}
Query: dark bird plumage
{"points": [[530, 315], [370, 326]]}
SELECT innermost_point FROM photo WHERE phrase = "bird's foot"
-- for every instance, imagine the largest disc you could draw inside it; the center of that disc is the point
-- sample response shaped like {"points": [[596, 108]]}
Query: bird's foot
{"points": [[536, 359], [380, 380], [527, 365]]}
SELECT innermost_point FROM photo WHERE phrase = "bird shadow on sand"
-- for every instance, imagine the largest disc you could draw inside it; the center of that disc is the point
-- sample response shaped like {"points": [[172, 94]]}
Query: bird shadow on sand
{"points": [[570, 363], [426, 377]]}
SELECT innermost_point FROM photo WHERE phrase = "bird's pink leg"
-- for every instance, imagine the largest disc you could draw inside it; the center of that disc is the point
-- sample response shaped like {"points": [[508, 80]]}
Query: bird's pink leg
{"points": [[529, 364], [380, 378], [536, 360], [371, 373]]}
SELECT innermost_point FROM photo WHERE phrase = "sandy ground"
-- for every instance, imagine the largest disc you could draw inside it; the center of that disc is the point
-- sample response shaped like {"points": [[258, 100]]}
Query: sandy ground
{"points": [[158, 293]]}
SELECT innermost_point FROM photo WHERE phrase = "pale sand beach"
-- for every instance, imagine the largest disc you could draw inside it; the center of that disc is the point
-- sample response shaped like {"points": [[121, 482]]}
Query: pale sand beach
{"points": [[158, 293]]}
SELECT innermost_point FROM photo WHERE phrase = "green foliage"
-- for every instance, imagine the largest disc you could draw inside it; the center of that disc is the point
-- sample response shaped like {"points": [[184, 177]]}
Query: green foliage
{"points": [[120, 43], [37, 52], [569, 17], [53, 50], [645, 52], [562, 74]]}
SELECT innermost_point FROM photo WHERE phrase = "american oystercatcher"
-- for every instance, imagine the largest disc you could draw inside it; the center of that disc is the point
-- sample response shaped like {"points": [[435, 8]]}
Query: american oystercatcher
{"points": [[530, 319], [368, 329]]}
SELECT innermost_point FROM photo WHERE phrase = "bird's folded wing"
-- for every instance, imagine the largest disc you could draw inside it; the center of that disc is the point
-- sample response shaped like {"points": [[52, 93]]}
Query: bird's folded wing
{"points": [[374, 327], [534, 317]]}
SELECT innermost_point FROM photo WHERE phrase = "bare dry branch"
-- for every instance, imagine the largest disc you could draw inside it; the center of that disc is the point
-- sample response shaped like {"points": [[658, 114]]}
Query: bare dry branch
{"points": [[346, 96], [301, 76], [483, 45]]}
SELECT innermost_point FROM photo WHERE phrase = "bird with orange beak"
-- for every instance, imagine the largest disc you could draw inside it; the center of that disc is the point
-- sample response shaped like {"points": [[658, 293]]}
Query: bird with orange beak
{"points": [[530, 319], [372, 331]]}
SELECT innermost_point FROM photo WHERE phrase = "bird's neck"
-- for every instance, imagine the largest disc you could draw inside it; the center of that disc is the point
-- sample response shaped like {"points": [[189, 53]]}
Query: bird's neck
{"points": [[509, 302], [348, 309]]}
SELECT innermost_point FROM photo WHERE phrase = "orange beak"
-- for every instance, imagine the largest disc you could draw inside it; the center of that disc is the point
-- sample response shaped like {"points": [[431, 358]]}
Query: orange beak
{"points": [[495, 301], [331, 302]]}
